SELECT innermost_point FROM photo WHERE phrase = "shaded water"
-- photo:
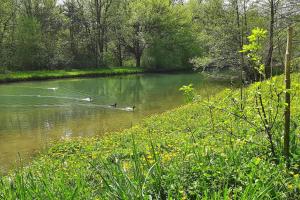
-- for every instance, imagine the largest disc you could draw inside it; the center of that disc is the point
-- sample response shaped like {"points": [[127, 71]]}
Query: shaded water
{"points": [[34, 113]]}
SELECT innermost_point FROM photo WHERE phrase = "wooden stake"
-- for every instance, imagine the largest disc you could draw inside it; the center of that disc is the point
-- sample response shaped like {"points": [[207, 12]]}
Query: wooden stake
{"points": [[287, 111]]}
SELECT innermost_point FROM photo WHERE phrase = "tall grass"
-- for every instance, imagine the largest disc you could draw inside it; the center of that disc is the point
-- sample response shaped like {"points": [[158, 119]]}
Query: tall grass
{"points": [[176, 155]]}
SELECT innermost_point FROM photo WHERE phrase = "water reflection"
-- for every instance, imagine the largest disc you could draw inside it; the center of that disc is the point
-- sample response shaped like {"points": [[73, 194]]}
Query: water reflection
{"points": [[34, 113]]}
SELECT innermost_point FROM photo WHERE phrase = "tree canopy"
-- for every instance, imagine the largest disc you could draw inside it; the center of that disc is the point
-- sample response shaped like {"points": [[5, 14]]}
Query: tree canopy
{"points": [[154, 34]]}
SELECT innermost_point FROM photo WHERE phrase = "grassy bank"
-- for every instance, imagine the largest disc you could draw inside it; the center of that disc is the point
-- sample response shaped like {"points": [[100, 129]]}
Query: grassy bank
{"points": [[204, 150], [55, 74]]}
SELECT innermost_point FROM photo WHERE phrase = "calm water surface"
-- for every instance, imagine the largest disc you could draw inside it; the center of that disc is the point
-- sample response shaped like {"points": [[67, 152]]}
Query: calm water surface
{"points": [[34, 113]]}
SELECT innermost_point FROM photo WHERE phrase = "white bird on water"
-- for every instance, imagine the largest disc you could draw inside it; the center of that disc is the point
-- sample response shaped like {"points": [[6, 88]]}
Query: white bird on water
{"points": [[89, 99], [54, 88], [130, 109]]}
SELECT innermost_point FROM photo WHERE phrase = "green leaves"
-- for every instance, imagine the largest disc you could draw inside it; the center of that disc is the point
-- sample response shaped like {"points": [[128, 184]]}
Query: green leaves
{"points": [[256, 35], [29, 37], [255, 39], [171, 38], [253, 49], [188, 92]]}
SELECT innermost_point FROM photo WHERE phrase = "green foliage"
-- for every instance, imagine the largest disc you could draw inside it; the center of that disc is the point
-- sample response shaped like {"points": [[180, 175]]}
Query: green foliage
{"points": [[29, 50], [218, 31], [188, 92], [253, 49], [173, 39], [201, 62], [204, 150], [296, 64], [157, 34]]}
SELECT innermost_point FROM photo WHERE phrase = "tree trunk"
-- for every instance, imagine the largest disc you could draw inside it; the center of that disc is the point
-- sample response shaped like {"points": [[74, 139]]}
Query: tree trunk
{"points": [[120, 57], [268, 62], [72, 29], [240, 46], [98, 33], [138, 49], [138, 60], [287, 111], [101, 44], [245, 18]]}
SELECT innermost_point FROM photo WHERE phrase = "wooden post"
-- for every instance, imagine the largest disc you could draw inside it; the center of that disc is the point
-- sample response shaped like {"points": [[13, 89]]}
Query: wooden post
{"points": [[287, 111]]}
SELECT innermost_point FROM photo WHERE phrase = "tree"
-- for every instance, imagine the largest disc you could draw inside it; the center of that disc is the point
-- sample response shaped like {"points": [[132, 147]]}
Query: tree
{"points": [[223, 20], [172, 40], [102, 12], [287, 111], [135, 28], [7, 15], [28, 43], [156, 34]]}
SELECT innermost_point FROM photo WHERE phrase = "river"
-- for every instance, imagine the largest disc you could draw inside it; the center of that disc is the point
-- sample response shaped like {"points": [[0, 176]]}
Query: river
{"points": [[32, 114]]}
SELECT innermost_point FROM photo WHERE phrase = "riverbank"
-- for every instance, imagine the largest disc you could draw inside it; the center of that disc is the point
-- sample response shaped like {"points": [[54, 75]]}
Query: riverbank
{"points": [[198, 151], [74, 73]]}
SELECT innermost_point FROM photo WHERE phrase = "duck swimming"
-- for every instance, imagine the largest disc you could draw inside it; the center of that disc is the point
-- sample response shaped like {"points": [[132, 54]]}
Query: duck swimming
{"points": [[113, 105], [130, 109], [89, 99]]}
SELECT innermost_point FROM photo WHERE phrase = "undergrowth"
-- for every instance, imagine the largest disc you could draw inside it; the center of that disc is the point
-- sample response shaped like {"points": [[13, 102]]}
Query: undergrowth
{"points": [[203, 150]]}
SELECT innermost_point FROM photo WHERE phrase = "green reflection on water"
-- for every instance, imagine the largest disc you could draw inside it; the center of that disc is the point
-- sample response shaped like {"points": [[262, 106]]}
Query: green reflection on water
{"points": [[33, 113]]}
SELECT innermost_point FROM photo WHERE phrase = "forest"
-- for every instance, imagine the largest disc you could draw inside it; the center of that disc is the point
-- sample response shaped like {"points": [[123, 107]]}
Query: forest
{"points": [[153, 34], [150, 99]]}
